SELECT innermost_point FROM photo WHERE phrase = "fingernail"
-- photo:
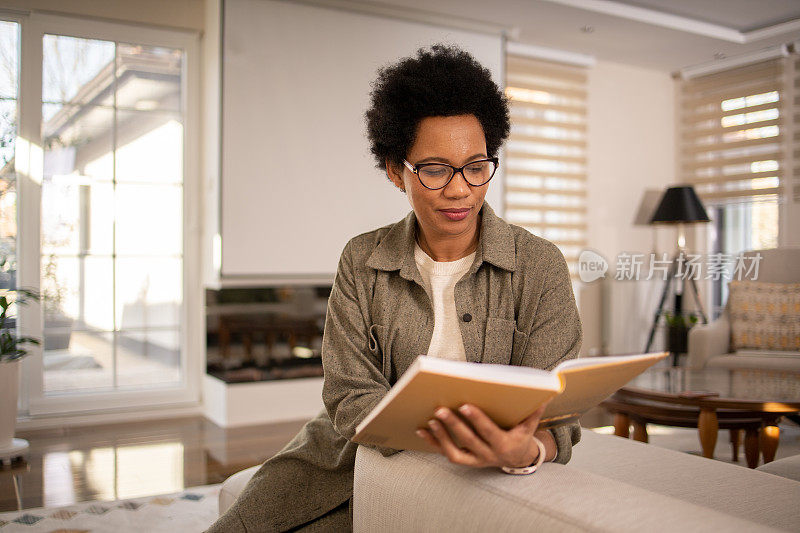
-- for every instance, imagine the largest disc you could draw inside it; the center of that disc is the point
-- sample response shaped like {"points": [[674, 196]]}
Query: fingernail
{"points": [[441, 412], [420, 434], [465, 409], [433, 424]]}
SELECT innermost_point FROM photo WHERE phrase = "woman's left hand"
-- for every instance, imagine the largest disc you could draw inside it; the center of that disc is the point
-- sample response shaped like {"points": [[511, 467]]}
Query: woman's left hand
{"points": [[485, 445]]}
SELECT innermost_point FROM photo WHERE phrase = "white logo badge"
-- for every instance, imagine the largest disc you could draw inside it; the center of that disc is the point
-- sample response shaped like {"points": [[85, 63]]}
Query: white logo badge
{"points": [[591, 266]]}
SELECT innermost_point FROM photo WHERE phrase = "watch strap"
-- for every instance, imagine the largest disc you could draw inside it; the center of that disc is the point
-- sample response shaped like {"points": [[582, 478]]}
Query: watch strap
{"points": [[519, 471]]}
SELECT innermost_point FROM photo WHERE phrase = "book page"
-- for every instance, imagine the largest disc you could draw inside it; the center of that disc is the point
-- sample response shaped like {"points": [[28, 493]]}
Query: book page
{"points": [[604, 360], [588, 384], [491, 373]]}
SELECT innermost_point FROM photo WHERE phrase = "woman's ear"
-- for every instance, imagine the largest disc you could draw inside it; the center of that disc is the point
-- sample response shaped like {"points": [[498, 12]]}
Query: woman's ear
{"points": [[395, 174]]}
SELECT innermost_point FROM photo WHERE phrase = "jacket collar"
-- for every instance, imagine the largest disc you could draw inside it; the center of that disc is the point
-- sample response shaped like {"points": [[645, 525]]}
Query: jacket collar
{"points": [[396, 250]]}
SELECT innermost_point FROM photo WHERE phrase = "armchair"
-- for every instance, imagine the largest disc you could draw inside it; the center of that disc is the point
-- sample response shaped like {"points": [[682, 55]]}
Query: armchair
{"points": [[709, 345]]}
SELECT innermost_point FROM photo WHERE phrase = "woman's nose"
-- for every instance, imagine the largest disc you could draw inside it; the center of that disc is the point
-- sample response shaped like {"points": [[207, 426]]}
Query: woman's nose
{"points": [[458, 186]]}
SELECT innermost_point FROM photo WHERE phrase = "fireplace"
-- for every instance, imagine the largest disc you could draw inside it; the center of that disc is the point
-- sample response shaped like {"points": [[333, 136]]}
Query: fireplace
{"points": [[265, 333]]}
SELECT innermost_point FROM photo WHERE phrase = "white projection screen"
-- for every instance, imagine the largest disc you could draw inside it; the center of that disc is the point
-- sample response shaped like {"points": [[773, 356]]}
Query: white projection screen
{"points": [[298, 180]]}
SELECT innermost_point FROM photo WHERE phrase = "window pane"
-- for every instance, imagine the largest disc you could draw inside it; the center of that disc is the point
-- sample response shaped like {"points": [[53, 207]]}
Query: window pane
{"points": [[77, 218], [149, 219], [148, 358], [9, 59], [149, 77], [78, 289], [149, 147], [149, 292], [8, 232], [78, 71], [77, 361], [97, 311], [78, 141], [742, 227], [9, 82], [8, 135], [60, 288], [8, 196]]}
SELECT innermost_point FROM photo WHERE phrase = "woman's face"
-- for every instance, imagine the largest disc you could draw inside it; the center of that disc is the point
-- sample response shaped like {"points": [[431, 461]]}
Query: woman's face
{"points": [[455, 140]]}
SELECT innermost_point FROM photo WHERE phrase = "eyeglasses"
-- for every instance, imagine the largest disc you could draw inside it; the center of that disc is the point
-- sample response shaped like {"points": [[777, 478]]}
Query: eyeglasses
{"points": [[438, 175]]}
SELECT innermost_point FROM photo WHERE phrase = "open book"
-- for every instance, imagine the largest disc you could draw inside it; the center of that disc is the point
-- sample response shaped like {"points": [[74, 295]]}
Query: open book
{"points": [[507, 394]]}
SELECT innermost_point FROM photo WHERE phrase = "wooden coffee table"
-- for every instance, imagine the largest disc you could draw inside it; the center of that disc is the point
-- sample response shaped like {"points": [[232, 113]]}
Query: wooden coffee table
{"points": [[709, 400]]}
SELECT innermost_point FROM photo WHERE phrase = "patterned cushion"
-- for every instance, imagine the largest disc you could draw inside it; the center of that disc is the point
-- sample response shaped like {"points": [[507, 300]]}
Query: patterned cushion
{"points": [[765, 315]]}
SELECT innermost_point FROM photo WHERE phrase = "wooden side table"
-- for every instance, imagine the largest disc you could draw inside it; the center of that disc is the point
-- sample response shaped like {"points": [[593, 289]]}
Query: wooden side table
{"points": [[708, 413]]}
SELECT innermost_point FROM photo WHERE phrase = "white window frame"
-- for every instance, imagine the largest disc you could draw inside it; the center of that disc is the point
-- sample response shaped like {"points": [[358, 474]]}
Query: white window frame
{"points": [[29, 159]]}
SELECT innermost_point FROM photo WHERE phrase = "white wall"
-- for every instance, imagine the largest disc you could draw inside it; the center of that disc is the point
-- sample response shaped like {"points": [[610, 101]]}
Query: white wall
{"points": [[183, 14], [631, 148], [297, 179]]}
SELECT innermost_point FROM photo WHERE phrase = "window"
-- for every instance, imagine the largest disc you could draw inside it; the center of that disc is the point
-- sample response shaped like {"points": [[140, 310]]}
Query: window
{"points": [[546, 153], [734, 153], [9, 88], [111, 224], [105, 199]]}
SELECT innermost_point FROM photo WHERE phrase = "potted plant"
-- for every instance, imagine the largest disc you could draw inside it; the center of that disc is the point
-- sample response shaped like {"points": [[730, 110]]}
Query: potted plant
{"points": [[678, 326], [12, 350]]}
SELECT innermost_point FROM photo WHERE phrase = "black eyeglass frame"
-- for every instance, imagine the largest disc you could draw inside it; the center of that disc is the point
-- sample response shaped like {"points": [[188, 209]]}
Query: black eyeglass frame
{"points": [[456, 170]]}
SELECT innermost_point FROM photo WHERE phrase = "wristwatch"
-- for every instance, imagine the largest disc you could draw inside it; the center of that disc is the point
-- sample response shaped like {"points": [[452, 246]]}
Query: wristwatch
{"points": [[528, 469]]}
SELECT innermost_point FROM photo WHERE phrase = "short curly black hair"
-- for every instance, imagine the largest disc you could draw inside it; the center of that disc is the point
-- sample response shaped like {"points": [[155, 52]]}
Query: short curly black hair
{"points": [[441, 81]]}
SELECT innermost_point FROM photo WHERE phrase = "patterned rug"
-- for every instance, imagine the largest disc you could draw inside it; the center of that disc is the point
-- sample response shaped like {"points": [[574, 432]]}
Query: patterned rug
{"points": [[192, 510]]}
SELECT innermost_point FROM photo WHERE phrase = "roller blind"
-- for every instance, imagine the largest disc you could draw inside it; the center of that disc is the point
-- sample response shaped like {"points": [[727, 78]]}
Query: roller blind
{"points": [[733, 132], [546, 152], [298, 180]]}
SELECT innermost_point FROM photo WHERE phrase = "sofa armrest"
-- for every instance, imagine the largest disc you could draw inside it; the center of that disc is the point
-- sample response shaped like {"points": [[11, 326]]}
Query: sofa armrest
{"points": [[413, 491], [233, 486], [707, 341]]}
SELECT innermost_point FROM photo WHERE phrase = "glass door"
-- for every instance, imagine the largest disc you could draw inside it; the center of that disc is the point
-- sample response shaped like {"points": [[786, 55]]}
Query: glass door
{"points": [[113, 204]]}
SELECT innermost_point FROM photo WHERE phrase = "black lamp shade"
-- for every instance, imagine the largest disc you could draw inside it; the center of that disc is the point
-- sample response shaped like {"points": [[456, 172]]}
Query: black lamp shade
{"points": [[679, 204]]}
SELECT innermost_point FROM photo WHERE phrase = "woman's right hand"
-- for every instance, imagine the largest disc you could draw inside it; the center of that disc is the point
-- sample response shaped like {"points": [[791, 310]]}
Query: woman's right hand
{"points": [[484, 443]]}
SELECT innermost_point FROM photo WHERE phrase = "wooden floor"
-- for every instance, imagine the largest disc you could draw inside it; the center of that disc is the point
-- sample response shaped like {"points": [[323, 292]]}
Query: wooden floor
{"points": [[129, 460]]}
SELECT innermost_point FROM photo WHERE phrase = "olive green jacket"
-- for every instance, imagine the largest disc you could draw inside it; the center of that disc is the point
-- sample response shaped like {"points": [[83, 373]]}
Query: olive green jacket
{"points": [[515, 306]]}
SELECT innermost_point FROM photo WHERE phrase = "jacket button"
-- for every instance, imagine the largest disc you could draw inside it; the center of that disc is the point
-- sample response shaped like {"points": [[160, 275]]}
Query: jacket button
{"points": [[467, 317]]}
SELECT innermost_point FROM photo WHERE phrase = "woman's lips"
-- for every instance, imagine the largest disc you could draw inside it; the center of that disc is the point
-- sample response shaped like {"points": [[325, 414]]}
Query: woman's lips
{"points": [[455, 214]]}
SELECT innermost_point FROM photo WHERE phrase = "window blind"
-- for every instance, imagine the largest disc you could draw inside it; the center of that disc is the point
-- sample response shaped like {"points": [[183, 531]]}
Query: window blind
{"points": [[733, 142], [546, 152]]}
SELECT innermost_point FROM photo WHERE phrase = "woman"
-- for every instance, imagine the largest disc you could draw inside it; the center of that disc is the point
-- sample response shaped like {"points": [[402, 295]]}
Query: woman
{"points": [[450, 280]]}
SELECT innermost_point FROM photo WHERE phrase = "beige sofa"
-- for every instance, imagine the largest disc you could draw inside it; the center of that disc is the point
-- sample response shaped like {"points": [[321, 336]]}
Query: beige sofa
{"points": [[611, 484], [709, 345]]}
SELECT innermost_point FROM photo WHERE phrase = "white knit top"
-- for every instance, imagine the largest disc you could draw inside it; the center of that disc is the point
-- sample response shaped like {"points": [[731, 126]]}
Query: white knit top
{"points": [[439, 278]]}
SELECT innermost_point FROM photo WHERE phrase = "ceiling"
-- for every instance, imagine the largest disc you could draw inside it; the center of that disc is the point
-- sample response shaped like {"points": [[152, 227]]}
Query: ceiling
{"points": [[742, 15], [660, 34]]}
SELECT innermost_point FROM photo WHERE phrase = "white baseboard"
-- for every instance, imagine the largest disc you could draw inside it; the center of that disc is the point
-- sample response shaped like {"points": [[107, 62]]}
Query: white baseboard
{"points": [[263, 402]]}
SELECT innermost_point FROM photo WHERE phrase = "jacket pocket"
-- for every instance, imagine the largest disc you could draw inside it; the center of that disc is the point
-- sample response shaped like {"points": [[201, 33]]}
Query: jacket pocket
{"points": [[498, 342], [520, 345], [379, 347]]}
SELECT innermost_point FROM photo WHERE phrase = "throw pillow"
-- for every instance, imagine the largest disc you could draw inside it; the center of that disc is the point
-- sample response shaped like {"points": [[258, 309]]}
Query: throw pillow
{"points": [[764, 316]]}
